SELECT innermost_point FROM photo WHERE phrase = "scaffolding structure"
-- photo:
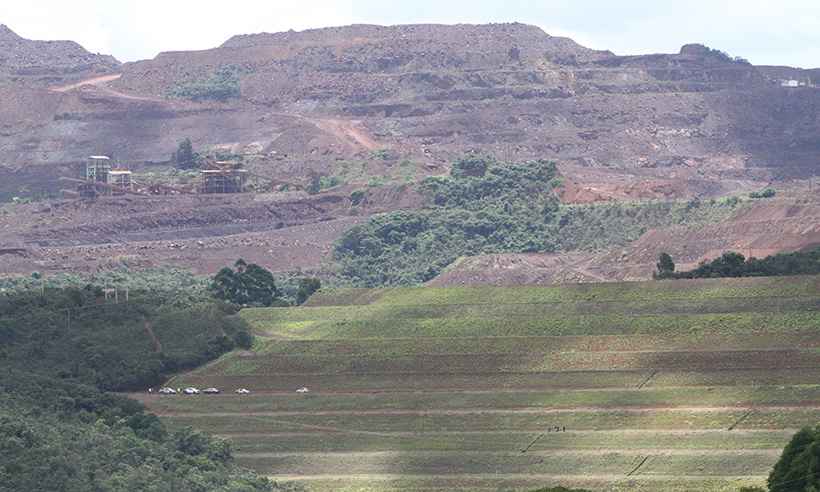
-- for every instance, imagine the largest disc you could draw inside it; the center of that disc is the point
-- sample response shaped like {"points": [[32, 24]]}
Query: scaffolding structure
{"points": [[104, 178], [225, 178]]}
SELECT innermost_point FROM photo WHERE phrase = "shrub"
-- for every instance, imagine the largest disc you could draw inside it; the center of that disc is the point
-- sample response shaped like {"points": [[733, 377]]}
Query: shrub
{"points": [[221, 86], [319, 183], [765, 193], [357, 197]]}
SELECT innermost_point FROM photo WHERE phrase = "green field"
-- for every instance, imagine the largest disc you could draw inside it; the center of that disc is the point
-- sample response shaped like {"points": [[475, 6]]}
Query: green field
{"points": [[655, 386]]}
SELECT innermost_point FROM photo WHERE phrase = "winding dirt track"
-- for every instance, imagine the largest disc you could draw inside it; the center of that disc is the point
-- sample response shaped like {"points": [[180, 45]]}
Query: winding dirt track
{"points": [[96, 81]]}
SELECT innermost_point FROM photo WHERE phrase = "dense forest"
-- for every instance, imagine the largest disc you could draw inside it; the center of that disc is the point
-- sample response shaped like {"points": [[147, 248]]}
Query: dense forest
{"points": [[60, 348]]}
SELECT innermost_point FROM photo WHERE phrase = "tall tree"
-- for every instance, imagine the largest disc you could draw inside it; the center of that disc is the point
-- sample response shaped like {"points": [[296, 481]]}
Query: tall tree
{"points": [[665, 265], [247, 284], [185, 157], [307, 287], [798, 469]]}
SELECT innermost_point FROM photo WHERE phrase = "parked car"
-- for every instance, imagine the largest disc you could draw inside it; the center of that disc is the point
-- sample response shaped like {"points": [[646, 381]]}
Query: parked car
{"points": [[302, 390], [211, 391], [243, 391], [191, 391], [167, 391]]}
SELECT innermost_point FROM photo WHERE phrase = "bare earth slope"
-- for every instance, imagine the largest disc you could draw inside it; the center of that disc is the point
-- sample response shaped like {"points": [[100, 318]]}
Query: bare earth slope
{"points": [[41, 63], [685, 124], [761, 229], [362, 101]]}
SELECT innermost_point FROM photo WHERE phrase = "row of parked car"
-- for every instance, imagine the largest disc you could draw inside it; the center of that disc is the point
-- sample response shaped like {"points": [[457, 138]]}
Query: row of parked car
{"points": [[196, 391]]}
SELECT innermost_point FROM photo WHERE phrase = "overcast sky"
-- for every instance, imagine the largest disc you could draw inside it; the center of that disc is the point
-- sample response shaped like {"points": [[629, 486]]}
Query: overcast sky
{"points": [[784, 32]]}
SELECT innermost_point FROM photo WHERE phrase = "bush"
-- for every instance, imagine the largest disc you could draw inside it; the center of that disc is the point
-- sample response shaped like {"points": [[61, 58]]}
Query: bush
{"points": [[319, 183], [357, 197], [766, 193]]}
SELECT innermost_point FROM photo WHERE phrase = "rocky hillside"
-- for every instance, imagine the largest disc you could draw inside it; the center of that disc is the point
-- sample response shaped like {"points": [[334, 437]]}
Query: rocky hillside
{"points": [[372, 110], [41, 63], [695, 122]]}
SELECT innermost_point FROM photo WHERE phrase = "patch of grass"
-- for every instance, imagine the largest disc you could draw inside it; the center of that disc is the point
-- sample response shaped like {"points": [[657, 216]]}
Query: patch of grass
{"points": [[277, 325]]}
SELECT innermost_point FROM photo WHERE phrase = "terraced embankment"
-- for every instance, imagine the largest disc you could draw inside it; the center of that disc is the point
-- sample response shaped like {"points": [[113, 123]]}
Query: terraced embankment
{"points": [[684, 385]]}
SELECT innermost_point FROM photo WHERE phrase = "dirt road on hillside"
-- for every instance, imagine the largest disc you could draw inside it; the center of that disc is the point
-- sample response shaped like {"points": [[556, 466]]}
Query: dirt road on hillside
{"points": [[96, 81]]}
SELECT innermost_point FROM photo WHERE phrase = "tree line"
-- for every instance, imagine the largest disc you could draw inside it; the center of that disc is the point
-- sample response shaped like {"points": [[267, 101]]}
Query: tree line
{"points": [[733, 264]]}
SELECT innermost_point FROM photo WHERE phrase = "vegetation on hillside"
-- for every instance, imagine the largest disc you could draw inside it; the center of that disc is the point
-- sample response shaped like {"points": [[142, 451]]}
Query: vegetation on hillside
{"points": [[732, 264], [483, 207], [764, 193], [221, 86], [488, 207], [474, 358], [77, 334], [62, 345], [58, 435], [175, 286]]}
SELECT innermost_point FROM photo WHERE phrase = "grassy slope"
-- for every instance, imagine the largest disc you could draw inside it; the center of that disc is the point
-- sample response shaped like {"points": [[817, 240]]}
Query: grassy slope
{"points": [[428, 387]]}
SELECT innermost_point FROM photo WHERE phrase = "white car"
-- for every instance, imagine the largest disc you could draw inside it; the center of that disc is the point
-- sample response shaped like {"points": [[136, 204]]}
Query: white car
{"points": [[302, 390], [191, 391], [211, 391], [243, 391], [167, 391]]}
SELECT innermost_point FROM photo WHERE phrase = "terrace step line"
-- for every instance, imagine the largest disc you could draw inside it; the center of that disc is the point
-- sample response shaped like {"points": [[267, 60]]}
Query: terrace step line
{"points": [[774, 452], [490, 411]]}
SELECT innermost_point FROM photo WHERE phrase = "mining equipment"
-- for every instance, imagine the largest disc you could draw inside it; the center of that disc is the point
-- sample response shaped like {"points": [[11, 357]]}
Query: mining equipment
{"points": [[223, 177], [102, 178]]}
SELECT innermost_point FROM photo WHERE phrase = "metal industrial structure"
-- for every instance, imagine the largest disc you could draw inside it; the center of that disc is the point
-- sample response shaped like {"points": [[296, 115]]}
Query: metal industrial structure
{"points": [[102, 177], [225, 177]]}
